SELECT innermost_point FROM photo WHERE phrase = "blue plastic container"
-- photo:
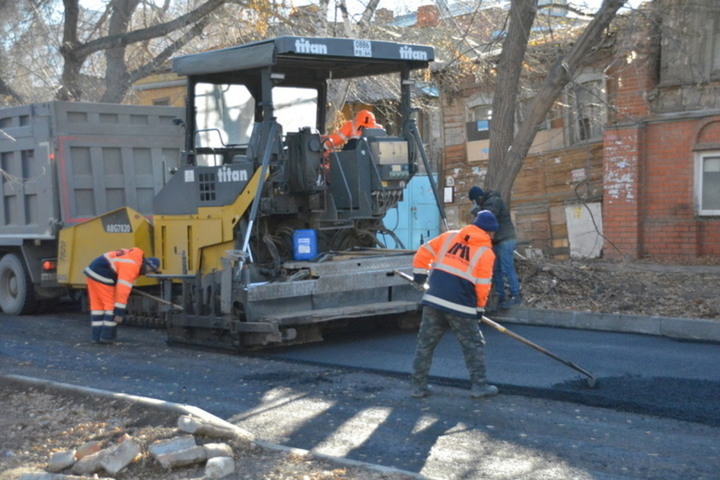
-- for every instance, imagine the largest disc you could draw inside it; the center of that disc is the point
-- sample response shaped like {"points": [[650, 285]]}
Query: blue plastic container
{"points": [[304, 244]]}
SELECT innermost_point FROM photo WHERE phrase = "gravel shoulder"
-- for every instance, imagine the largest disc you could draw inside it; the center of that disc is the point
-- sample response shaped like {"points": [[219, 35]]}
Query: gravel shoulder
{"points": [[38, 421]]}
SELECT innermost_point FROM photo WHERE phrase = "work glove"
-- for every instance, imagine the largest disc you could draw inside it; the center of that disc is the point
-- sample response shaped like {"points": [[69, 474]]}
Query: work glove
{"points": [[479, 314], [419, 278], [118, 319]]}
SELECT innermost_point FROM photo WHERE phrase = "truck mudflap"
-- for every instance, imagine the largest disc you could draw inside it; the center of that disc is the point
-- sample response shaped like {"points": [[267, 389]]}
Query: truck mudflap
{"points": [[329, 295]]}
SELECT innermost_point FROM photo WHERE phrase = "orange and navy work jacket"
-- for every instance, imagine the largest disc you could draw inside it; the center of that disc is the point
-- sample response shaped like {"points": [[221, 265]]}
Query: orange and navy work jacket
{"points": [[119, 268], [460, 265], [349, 131]]}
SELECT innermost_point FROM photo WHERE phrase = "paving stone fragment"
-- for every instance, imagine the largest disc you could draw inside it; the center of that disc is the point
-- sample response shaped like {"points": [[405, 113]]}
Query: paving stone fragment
{"points": [[88, 448], [219, 467], [59, 461], [189, 456], [173, 445], [89, 464], [58, 476], [120, 456], [213, 450]]}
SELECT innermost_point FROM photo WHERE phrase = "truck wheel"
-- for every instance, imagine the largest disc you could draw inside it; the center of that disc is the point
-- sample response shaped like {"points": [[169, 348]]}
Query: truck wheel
{"points": [[16, 291]]}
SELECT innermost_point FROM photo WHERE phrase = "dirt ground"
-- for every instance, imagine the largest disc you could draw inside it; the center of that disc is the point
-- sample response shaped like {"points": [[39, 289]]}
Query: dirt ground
{"points": [[34, 424], [632, 288]]}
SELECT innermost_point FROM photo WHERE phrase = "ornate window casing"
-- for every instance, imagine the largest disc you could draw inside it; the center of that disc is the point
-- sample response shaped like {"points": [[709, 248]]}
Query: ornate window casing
{"points": [[586, 107]]}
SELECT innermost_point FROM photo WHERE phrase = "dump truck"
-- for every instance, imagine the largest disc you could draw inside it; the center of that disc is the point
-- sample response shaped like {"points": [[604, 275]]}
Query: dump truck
{"points": [[266, 236], [64, 163]]}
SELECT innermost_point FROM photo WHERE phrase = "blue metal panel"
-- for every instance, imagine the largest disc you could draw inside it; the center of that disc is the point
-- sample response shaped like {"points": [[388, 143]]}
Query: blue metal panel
{"points": [[416, 219]]}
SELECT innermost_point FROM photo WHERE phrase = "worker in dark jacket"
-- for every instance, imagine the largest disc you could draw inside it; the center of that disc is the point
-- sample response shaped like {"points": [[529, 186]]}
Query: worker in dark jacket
{"points": [[504, 244], [457, 266], [110, 279]]}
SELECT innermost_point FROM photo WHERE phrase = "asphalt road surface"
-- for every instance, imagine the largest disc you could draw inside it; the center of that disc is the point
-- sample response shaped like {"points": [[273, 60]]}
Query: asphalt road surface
{"points": [[654, 414]]}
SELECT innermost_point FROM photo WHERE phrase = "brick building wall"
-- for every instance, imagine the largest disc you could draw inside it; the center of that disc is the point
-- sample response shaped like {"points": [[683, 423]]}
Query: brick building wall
{"points": [[649, 205], [548, 182]]}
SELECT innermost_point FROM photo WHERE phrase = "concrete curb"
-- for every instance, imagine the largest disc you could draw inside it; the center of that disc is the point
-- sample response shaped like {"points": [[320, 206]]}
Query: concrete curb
{"points": [[183, 409], [679, 328]]}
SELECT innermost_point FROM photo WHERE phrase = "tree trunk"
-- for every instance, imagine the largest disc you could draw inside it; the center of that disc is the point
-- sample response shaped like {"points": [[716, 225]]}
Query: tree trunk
{"points": [[502, 176], [502, 124], [117, 78], [70, 89]]}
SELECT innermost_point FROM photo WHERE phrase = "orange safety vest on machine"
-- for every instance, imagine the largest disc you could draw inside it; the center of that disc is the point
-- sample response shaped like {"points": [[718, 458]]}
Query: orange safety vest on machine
{"points": [[352, 130]]}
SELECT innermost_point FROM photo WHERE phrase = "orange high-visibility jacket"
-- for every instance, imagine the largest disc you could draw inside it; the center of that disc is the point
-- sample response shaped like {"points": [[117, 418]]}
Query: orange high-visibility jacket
{"points": [[120, 268], [351, 129], [460, 265]]}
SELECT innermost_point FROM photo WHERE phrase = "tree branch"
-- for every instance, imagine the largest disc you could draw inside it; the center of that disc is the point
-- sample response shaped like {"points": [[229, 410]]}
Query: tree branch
{"points": [[121, 40]]}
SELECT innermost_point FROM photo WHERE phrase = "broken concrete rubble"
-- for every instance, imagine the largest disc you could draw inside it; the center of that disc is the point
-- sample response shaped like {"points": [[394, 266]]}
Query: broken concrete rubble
{"points": [[219, 467], [120, 456], [180, 451]]}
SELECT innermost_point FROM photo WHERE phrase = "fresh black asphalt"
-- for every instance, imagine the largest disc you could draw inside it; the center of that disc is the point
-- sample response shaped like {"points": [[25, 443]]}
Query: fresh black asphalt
{"points": [[327, 397], [637, 373]]}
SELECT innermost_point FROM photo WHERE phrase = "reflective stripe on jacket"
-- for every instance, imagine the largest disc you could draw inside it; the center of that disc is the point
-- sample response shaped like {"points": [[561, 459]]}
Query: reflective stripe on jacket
{"points": [[119, 268], [460, 264]]}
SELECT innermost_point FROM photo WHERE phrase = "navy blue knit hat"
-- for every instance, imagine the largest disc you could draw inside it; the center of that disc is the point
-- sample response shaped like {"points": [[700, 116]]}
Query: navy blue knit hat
{"points": [[152, 264], [475, 193], [487, 221]]}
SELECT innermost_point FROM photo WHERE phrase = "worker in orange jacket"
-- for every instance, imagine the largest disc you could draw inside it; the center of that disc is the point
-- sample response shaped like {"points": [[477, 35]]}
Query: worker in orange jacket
{"points": [[351, 131], [457, 266], [110, 279]]}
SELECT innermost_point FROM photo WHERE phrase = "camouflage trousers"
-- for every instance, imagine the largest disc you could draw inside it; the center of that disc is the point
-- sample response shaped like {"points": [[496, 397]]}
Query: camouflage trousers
{"points": [[467, 331]]}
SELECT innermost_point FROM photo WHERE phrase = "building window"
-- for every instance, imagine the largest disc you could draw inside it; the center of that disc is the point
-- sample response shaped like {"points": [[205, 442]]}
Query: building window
{"points": [[478, 124], [161, 102], [707, 183], [587, 110], [715, 43]]}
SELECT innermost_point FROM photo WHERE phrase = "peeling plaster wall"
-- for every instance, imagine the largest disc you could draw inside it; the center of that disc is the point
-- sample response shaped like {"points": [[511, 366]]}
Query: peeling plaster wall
{"points": [[643, 170]]}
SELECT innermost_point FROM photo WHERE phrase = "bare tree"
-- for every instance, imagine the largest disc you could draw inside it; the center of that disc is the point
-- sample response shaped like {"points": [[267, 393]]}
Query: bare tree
{"points": [[119, 76], [93, 55], [508, 150]]}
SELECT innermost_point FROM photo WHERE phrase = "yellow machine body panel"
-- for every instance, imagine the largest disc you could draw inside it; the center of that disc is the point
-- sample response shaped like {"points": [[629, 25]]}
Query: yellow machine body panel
{"points": [[181, 238], [187, 244], [80, 244]]}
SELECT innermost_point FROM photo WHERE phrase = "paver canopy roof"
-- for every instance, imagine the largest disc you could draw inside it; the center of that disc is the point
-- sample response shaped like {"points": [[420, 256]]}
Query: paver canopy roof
{"points": [[304, 60]]}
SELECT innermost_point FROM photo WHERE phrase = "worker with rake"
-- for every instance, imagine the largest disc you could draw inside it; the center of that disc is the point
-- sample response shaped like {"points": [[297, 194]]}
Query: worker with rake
{"points": [[457, 266]]}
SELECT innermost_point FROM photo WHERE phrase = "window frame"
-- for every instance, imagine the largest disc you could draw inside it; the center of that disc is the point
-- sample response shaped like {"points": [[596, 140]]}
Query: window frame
{"points": [[700, 158], [471, 110], [572, 127]]}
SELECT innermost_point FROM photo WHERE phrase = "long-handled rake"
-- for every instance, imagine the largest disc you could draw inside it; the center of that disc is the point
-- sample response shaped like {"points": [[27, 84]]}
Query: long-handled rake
{"points": [[591, 380]]}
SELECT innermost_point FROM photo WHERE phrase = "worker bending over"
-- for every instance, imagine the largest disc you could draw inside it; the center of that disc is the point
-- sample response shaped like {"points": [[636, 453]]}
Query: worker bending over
{"points": [[110, 279]]}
